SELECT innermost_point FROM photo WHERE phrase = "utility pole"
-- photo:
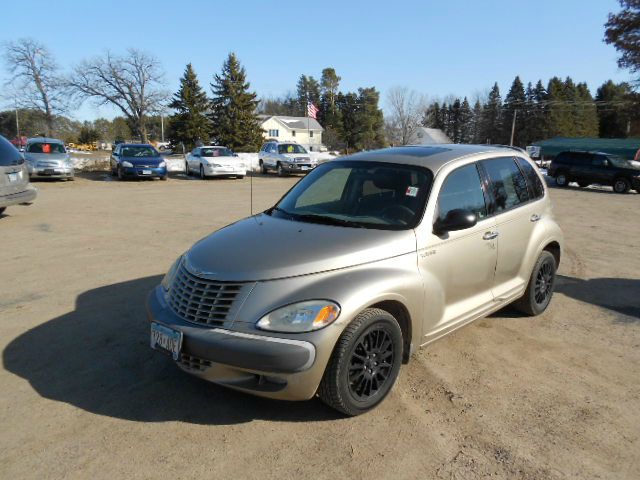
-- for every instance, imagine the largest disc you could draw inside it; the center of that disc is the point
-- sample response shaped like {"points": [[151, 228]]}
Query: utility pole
{"points": [[17, 125], [513, 127]]}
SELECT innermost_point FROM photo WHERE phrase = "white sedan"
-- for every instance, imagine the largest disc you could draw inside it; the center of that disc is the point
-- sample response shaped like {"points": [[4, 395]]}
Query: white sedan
{"points": [[214, 161]]}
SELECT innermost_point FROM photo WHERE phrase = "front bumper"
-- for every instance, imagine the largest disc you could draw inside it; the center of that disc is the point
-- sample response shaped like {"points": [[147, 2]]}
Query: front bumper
{"points": [[225, 171], [144, 172], [297, 167], [25, 196], [51, 172], [635, 184], [260, 364]]}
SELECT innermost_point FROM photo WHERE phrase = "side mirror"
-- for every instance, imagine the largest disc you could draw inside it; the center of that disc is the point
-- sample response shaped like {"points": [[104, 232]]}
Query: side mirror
{"points": [[455, 220]]}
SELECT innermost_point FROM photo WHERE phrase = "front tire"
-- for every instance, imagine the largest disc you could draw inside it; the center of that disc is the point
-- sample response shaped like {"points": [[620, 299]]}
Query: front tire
{"points": [[202, 175], [562, 180], [263, 169], [280, 170], [583, 184], [621, 185], [364, 364], [186, 169], [119, 173], [542, 282], [2, 209]]}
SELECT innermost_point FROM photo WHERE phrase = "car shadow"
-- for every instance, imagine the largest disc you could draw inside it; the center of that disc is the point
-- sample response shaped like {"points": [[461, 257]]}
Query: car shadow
{"points": [[620, 295], [98, 358]]}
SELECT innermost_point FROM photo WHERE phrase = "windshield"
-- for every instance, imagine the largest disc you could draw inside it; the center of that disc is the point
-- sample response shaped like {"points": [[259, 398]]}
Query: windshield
{"points": [[216, 152], [359, 194], [291, 148], [141, 151], [41, 147]]}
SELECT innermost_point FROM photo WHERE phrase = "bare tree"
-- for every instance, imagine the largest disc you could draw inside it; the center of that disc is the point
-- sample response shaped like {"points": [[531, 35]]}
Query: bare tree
{"points": [[406, 109], [35, 79], [132, 83]]}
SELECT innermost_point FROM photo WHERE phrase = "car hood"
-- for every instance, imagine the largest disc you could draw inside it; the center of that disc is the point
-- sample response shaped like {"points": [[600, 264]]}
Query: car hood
{"points": [[265, 248], [142, 160]]}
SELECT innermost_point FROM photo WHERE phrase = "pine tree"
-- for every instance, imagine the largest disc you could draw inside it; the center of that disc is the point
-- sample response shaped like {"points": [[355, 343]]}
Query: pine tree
{"points": [[559, 112], [190, 123], [329, 116], [514, 102], [466, 122], [491, 123], [612, 102], [234, 118], [586, 113], [369, 120], [308, 91], [476, 123], [348, 106], [455, 121]]}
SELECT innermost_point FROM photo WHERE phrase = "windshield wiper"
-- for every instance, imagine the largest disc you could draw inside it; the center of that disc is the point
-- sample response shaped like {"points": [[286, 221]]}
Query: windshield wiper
{"points": [[326, 220]]}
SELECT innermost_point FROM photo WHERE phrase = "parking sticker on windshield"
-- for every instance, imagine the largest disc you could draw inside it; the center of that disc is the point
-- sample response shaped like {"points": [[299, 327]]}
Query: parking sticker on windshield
{"points": [[412, 191]]}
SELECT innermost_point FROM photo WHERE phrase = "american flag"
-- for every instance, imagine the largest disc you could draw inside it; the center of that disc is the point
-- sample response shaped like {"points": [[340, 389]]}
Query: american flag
{"points": [[312, 110]]}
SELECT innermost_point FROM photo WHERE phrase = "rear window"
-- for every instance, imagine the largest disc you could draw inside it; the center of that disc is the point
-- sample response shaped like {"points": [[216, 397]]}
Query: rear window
{"points": [[536, 189], [45, 147], [9, 154]]}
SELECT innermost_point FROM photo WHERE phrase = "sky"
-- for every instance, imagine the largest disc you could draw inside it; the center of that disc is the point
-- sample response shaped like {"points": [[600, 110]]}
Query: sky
{"points": [[437, 48]]}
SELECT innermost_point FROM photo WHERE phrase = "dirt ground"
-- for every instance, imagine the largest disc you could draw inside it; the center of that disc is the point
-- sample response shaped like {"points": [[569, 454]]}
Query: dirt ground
{"points": [[83, 396]]}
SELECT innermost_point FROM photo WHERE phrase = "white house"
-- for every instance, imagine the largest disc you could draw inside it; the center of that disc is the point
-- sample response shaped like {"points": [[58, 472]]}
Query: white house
{"points": [[303, 130], [428, 136]]}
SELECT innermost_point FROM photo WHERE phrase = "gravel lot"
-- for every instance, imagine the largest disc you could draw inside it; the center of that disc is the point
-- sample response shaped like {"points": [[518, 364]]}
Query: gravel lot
{"points": [[83, 396]]}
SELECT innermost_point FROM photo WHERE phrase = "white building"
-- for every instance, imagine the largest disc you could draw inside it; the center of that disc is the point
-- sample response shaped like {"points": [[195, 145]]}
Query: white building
{"points": [[303, 130], [428, 136]]}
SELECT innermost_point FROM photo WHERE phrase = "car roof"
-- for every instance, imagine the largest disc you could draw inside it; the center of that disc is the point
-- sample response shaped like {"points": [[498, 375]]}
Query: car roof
{"points": [[433, 157], [44, 140], [135, 145]]}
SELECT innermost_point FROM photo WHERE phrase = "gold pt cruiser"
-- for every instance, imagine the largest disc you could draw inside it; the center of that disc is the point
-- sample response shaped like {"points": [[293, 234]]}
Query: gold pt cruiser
{"points": [[365, 259]]}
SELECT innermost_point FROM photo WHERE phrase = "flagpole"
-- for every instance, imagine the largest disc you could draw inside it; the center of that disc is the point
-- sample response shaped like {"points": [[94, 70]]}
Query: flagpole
{"points": [[308, 129]]}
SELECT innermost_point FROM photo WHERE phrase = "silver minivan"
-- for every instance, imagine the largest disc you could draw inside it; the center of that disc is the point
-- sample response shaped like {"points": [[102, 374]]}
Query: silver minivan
{"points": [[48, 158], [364, 260], [14, 178]]}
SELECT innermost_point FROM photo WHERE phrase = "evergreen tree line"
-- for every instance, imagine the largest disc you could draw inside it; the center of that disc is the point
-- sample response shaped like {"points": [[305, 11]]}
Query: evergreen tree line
{"points": [[561, 108], [351, 120]]}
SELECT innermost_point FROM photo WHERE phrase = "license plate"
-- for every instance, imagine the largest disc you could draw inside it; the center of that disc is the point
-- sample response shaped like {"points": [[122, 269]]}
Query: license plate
{"points": [[166, 340], [304, 167], [14, 177], [146, 172]]}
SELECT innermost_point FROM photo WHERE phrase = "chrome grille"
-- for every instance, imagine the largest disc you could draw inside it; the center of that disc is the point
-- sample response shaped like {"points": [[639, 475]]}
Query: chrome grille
{"points": [[204, 301], [192, 362]]}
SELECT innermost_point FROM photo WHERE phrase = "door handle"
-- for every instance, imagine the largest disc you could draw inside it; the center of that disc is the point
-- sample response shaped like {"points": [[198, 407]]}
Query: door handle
{"points": [[490, 235], [535, 217]]}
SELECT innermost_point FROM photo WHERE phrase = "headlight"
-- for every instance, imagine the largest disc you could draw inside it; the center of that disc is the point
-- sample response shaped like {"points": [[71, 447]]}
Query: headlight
{"points": [[300, 317], [127, 164], [162, 164], [215, 165], [168, 278]]}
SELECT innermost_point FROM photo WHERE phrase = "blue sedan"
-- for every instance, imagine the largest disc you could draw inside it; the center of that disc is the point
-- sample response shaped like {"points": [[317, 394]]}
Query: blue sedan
{"points": [[137, 160]]}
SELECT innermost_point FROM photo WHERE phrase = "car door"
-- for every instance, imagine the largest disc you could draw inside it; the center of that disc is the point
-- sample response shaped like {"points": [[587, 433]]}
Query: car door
{"points": [[603, 171], [193, 159], [515, 218], [458, 266], [272, 153], [580, 167], [114, 158]]}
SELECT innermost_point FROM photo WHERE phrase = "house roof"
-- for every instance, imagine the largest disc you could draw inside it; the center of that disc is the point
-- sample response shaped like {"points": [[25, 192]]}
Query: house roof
{"points": [[294, 123]]}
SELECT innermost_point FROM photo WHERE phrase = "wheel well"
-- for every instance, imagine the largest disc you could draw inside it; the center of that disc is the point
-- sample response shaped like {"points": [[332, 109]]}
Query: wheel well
{"points": [[400, 313], [554, 249]]}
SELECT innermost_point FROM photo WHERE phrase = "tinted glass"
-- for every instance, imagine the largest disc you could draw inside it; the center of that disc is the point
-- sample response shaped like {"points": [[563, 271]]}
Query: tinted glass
{"points": [[508, 185], [536, 189], [462, 190], [42, 147], [291, 148], [9, 154], [216, 152], [139, 151], [359, 194]]}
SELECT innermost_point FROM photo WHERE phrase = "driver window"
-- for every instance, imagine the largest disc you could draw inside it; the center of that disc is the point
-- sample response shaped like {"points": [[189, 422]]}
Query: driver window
{"points": [[462, 190]]}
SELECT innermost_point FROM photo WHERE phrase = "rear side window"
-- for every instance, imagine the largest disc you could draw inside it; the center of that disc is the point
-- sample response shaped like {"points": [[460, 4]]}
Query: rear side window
{"points": [[508, 186], [9, 154], [536, 189], [462, 190]]}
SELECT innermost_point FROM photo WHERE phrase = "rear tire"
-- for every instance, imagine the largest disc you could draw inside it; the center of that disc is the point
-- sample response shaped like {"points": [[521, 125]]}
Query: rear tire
{"points": [[2, 209], [621, 185], [263, 169], [539, 291], [562, 180], [583, 184], [202, 175], [186, 169], [364, 364], [239, 177]]}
